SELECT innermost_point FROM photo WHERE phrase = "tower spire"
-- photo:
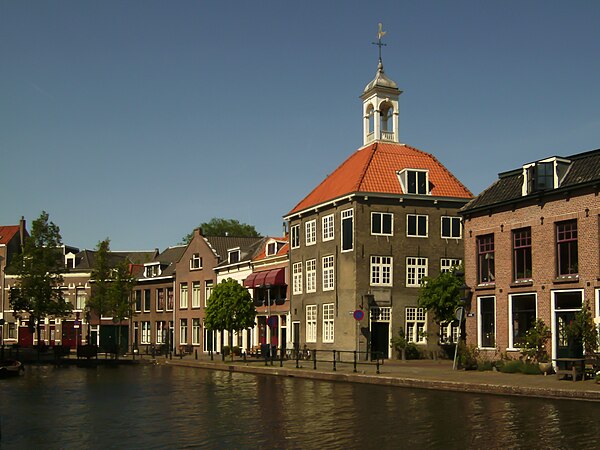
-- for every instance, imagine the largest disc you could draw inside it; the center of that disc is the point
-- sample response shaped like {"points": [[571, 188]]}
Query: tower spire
{"points": [[380, 35]]}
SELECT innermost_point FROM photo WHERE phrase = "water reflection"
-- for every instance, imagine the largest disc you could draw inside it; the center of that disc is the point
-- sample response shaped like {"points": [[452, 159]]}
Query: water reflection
{"points": [[158, 407]]}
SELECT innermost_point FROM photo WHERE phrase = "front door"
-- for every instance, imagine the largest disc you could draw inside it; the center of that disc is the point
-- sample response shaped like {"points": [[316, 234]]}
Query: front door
{"points": [[25, 336], [380, 339], [566, 346]]}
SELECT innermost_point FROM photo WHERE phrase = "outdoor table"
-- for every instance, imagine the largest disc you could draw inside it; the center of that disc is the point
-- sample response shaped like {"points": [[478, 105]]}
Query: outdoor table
{"points": [[570, 366]]}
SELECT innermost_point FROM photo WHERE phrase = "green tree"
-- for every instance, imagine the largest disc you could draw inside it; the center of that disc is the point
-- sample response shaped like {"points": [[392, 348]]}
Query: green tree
{"points": [[101, 276], [223, 227], [39, 269], [230, 308], [113, 283], [441, 295], [120, 294]]}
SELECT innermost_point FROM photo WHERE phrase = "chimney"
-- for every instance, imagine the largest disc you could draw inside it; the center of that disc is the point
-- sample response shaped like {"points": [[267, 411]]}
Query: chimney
{"points": [[22, 231]]}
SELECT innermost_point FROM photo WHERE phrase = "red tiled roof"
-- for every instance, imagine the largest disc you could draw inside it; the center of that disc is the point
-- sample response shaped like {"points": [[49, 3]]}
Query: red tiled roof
{"points": [[262, 254], [374, 169], [7, 232]]}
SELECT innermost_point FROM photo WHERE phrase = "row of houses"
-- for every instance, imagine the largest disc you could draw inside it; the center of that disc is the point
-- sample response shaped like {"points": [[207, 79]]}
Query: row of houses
{"points": [[347, 272]]}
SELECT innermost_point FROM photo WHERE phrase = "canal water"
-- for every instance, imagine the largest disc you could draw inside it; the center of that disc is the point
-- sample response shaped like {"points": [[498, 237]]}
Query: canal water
{"points": [[177, 407]]}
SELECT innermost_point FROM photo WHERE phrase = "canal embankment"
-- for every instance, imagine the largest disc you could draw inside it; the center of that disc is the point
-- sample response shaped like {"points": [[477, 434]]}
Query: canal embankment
{"points": [[418, 374]]}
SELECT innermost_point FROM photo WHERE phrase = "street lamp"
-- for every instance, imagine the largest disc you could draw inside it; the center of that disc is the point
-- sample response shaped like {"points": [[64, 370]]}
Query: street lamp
{"points": [[269, 341]]}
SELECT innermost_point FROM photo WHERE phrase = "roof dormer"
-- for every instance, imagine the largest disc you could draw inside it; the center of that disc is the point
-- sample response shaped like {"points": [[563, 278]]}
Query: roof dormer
{"points": [[70, 260], [544, 175], [233, 255], [152, 270], [414, 181]]}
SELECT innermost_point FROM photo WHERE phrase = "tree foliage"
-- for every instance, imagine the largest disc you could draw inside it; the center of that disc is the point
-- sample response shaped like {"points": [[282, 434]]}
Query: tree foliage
{"points": [[223, 227], [112, 284], [441, 295], [39, 269], [230, 307]]}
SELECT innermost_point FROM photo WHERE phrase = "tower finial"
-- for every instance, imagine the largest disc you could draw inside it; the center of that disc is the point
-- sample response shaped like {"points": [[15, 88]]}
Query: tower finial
{"points": [[380, 44]]}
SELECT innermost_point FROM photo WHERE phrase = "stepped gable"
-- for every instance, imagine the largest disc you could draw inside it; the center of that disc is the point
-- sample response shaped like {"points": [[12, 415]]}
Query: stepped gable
{"points": [[584, 169], [374, 169]]}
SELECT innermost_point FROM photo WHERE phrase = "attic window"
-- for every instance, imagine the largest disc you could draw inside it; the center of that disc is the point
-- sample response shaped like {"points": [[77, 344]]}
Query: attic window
{"points": [[70, 261], [152, 271], [233, 256], [196, 261], [271, 248], [540, 177], [414, 181]]}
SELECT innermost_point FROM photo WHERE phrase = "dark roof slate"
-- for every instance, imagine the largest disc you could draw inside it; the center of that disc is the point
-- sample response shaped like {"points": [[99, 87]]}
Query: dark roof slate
{"points": [[220, 245], [584, 169]]}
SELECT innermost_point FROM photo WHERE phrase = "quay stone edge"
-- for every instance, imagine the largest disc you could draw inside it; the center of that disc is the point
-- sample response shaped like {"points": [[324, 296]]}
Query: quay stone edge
{"points": [[398, 381]]}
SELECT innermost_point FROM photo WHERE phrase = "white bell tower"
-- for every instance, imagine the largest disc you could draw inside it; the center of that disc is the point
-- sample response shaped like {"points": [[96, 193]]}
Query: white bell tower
{"points": [[380, 105]]}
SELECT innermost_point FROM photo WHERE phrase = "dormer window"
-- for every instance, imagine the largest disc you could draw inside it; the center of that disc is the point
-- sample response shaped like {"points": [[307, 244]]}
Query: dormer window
{"points": [[196, 261], [152, 270], [414, 181], [271, 248], [233, 255], [70, 261], [540, 177], [544, 175]]}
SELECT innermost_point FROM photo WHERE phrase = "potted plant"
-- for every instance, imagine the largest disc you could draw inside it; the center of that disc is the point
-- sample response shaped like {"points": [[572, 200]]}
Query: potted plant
{"points": [[534, 347], [583, 331], [400, 343]]}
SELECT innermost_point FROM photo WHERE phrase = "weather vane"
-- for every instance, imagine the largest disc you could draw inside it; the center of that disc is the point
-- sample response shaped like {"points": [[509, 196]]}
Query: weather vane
{"points": [[380, 44]]}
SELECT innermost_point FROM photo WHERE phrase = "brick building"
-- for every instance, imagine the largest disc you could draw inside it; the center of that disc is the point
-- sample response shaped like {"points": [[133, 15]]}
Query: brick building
{"points": [[365, 237], [532, 251]]}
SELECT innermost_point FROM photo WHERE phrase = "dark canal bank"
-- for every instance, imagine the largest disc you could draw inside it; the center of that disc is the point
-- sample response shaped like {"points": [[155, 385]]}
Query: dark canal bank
{"points": [[175, 407]]}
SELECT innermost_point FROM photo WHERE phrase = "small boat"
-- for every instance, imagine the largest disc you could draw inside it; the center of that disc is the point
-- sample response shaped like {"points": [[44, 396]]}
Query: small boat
{"points": [[11, 368]]}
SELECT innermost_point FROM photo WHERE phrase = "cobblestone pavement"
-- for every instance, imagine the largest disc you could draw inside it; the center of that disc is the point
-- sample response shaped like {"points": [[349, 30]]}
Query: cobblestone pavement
{"points": [[423, 374]]}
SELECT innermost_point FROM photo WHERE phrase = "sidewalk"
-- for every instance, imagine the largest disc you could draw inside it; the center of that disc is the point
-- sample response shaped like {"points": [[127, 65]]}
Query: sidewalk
{"points": [[421, 374]]}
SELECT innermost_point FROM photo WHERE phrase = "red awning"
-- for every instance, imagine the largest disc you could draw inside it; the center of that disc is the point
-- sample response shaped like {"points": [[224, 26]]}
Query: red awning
{"points": [[259, 281], [276, 277], [249, 282]]}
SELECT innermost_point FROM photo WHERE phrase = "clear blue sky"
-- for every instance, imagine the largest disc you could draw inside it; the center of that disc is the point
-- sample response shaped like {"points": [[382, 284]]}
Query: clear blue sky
{"points": [[138, 120]]}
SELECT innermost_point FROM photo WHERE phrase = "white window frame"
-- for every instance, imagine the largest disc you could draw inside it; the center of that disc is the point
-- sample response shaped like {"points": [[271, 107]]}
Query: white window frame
{"points": [[183, 331], [479, 326], [161, 331], [381, 232], [297, 278], [417, 217], [183, 296], [452, 220], [511, 299], [295, 236], [416, 325], [196, 331], [381, 270], [146, 332], [310, 232], [196, 262], [80, 299], [347, 214], [196, 301], [208, 289], [231, 252], [311, 323], [328, 265], [327, 228], [416, 269], [311, 275], [328, 323], [446, 264], [403, 178], [449, 332]]}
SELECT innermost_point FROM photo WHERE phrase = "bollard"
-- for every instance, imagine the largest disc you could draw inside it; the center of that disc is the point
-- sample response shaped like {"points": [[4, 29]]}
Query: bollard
{"points": [[196, 353], [266, 359], [280, 357], [354, 361], [314, 353], [334, 368], [297, 359], [211, 355], [378, 365]]}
